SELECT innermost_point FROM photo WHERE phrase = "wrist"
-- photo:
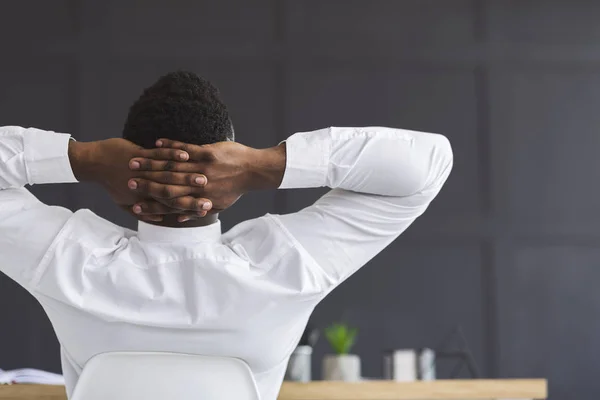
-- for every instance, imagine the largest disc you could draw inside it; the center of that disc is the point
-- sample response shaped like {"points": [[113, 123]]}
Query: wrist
{"points": [[267, 168], [81, 159]]}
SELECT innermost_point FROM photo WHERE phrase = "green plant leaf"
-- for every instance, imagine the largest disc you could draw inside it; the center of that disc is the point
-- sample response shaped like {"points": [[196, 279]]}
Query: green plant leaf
{"points": [[341, 338]]}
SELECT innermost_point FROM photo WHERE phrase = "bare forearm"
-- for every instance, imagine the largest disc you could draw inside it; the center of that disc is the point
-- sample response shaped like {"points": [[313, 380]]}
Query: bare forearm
{"points": [[267, 167], [81, 159]]}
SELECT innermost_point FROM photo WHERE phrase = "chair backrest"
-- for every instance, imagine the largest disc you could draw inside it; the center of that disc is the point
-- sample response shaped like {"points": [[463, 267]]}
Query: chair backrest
{"points": [[165, 376]]}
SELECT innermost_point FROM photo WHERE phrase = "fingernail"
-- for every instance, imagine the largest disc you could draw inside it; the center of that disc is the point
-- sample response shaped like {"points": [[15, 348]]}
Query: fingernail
{"points": [[200, 180], [135, 165], [206, 206], [184, 219], [183, 156], [159, 143], [137, 209], [133, 185]]}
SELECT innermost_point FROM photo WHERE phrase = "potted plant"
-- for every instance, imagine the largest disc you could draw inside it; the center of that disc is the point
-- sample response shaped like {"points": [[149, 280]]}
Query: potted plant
{"points": [[341, 366]]}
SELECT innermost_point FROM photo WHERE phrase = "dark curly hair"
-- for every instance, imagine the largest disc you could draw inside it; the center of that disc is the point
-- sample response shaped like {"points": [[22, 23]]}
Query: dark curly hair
{"points": [[179, 106]]}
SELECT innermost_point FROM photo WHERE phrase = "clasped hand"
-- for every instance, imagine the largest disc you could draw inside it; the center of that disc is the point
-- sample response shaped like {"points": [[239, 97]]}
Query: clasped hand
{"points": [[175, 178], [210, 179]]}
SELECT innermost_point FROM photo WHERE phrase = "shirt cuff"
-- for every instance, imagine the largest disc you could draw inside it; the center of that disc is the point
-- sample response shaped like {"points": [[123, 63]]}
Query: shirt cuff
{"points": [[307, 160], [47, 157]]}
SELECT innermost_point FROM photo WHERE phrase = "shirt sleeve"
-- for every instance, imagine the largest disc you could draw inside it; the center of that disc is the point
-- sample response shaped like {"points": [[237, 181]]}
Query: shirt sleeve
{"points": [[382, 180], [27, 226]]}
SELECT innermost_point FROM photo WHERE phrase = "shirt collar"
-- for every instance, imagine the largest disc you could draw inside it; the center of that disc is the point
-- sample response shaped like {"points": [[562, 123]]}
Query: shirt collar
{"points": [[153, 233]]}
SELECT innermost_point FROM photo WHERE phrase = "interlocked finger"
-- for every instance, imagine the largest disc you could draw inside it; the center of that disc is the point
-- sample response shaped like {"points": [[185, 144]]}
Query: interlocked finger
{"points": [[147, 164], [175, 178], [157, 190], [155, 208], [165, 154]]}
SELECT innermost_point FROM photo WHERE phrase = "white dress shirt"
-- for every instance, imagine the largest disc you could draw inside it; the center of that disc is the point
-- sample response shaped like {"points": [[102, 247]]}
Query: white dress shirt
{"points": [[247, 293]]}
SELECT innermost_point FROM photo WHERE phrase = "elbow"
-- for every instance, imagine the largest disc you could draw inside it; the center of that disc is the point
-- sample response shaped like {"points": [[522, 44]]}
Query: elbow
{"points": [[445, 153], [420, 162], [442, 161], [438, 166]]}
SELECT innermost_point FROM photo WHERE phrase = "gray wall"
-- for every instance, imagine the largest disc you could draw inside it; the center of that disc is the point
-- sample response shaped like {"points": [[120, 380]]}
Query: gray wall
{"points": [[509, 249]]}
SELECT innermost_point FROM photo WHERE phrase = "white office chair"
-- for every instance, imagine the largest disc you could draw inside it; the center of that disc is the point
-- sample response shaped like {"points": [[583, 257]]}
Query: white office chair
{"points": [[165, 376]]}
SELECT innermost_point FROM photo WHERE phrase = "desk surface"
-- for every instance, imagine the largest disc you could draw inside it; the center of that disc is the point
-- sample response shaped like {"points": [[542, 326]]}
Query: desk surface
{"points": [[369, 390], [436, 390]]}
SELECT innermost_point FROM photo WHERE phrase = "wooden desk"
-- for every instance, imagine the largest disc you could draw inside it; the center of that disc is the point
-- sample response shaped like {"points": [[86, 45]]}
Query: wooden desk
{"points": [[436, 390], [31, 392], [370, 390]]}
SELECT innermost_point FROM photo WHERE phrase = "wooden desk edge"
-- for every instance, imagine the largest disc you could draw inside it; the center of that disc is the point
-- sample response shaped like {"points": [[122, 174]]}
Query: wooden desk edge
{"points": [[31, 392]]}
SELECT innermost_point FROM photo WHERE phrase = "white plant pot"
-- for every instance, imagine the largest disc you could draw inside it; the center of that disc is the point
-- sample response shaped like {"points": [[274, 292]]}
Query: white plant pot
{"points": [[344, 367], [298, 369]]}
